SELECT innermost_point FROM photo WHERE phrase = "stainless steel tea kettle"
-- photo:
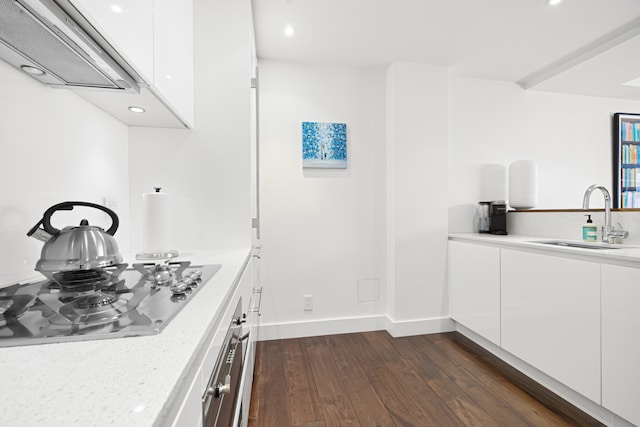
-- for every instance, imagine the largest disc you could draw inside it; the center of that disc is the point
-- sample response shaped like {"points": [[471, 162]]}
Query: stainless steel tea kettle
{"points": [[81, 247]]}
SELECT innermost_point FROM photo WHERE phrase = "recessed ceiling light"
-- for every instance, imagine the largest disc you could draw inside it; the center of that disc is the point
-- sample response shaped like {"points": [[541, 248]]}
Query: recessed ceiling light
{"points": [[135, 109], [116, 8], [553, 2], [32, 70], [289, 31]]}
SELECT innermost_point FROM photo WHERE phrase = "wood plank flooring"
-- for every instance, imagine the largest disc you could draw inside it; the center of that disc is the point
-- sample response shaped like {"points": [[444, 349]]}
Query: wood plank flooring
{"points": [[371, 379]]}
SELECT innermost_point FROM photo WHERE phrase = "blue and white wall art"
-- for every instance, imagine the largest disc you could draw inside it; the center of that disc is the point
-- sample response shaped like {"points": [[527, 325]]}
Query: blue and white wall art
{"points": [[324, 145]]}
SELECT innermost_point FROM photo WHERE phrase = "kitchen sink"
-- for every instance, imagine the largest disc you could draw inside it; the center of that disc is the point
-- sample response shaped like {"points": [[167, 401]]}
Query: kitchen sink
{"points": [[571, 244]]}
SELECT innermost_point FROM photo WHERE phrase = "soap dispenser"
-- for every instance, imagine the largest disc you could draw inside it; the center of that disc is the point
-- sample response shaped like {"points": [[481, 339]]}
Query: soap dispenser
{"points": [[589, 231]]}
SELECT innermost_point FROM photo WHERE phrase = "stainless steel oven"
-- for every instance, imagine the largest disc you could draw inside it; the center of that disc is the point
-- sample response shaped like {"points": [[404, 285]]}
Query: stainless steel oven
{"points": [[221, 394]]}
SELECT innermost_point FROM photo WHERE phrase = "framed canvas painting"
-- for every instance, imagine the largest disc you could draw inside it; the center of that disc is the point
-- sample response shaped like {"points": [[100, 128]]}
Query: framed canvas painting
{"points": [[324, 145]]}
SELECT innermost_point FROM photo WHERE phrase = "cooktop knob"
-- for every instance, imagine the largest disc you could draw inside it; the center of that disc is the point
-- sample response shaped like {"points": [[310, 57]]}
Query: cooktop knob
{"points": [[180, 287], [195, 274]]}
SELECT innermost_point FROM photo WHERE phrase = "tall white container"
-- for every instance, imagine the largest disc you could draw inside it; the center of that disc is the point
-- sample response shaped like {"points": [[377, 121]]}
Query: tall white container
{"points": [[523, 184], [156, 226]]}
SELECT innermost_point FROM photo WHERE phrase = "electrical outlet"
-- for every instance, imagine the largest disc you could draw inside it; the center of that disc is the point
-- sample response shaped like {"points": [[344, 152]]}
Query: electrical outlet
{"points": [[308, 302], [112, 204]]}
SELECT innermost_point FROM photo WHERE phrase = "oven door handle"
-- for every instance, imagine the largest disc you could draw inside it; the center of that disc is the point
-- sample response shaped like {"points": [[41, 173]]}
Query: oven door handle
{"points": [[220, 388]]}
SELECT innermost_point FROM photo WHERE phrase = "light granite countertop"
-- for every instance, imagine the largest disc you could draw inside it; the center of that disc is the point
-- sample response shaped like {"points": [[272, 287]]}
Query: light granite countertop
{"points": [[621, 254], [136, 381]]}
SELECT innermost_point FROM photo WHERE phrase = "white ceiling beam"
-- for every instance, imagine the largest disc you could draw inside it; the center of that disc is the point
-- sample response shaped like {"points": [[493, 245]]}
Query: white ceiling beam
{"points": [[588, 51]]}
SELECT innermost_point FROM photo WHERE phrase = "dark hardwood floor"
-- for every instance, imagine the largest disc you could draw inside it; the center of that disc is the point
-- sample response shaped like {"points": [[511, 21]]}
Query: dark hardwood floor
{"points": [[371, 379]]}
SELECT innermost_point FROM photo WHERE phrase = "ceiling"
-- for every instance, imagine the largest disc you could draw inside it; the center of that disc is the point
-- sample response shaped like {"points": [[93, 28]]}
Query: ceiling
{"points": [[586, 47]]}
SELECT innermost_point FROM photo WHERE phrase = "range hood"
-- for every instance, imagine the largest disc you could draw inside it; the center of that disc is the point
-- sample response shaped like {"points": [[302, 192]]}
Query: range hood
{"points": [[56, 45]]}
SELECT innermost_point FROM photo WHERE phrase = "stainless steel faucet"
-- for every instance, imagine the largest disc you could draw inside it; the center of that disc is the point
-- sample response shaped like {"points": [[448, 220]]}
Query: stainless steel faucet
{"points": [[609, 232]]}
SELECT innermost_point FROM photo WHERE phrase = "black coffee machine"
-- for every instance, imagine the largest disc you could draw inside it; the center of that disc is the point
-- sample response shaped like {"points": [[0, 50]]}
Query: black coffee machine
{"points": [[495, 217]]}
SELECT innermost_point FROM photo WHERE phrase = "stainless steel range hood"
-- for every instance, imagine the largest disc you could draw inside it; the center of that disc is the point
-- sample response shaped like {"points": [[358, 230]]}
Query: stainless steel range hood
{"points": [[52, 36]]}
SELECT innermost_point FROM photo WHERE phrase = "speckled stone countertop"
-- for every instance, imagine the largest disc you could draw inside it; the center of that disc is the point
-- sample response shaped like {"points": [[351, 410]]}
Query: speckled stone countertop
{"points": [[136, 381], [621, 254]]}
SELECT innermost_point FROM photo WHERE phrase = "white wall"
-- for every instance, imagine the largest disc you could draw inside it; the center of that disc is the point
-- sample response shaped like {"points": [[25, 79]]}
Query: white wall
{"points": [[417, 209], [322, 229], [206, 170], [493, 124], [55, 147], [447, 144], [384, 217]]}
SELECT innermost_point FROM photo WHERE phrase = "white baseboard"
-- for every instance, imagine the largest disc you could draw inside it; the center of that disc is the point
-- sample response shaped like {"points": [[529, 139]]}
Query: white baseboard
{"points": [[405, 328], [321, 327], [311, 328]]}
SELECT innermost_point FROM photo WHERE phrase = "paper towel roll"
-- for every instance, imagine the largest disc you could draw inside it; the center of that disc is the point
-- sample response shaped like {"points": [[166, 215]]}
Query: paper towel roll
{"points": [[523, 184], [156, 222]]}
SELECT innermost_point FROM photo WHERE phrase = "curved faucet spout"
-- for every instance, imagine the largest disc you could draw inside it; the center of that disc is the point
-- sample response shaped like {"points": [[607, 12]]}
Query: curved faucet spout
{"points": [[587, 195], [607, 208]]}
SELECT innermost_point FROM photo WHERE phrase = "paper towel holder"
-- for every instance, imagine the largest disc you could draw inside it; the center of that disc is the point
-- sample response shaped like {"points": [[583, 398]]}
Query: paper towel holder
{"points": [[161, 255]]}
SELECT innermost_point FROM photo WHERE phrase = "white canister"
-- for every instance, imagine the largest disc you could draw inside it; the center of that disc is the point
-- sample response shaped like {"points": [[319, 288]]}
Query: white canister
{"points": [[523, 184]]}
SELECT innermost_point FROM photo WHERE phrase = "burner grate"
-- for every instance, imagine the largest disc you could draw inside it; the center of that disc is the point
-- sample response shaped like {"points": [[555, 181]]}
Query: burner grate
{"points": [[96, 309], [85, 280], [12, 307]]}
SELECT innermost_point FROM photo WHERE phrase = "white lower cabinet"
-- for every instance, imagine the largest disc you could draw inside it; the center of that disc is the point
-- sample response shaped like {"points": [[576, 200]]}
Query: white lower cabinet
{"points": [[190, 412], [474, 279], [551, 317], [253, 295], [250, 307], [621, 341]]}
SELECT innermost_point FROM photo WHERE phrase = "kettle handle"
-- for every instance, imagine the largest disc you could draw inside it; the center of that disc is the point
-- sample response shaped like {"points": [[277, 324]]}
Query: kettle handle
{"points": [[67, 206]]}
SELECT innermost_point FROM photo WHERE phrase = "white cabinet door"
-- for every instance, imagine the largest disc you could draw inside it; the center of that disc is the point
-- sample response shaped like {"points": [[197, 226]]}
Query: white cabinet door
{"points": [[551, 317], [173, 55], [252, 297], [155, 37], [190, 413], [246, 386], [474, 281], [246, 289], [621, 341], [127, 26]]}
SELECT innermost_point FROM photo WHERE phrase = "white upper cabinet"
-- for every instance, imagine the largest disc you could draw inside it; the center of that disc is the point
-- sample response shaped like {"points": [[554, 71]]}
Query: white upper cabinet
{"points": [[129, 28], [155, 38], [173, 55]]}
